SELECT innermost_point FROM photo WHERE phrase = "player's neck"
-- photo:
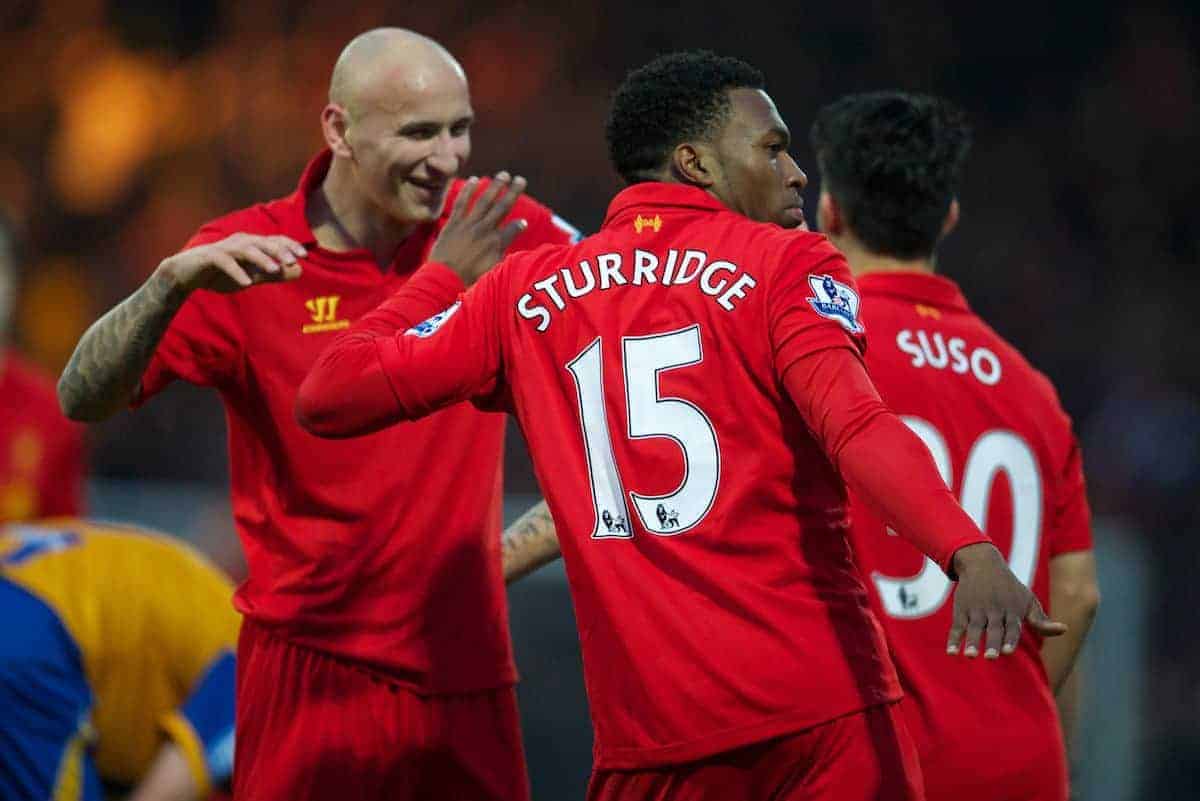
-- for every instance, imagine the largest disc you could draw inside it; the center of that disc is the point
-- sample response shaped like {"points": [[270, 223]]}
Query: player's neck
{"points": [[863, 261], [342, 220]]}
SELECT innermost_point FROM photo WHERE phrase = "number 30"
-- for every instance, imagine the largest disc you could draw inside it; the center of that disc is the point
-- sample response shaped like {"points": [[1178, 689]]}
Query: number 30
{"points": [[995, 451]]}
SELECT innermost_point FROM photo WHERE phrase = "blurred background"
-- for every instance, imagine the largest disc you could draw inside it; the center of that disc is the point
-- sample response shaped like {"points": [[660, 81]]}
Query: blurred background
{"points": [[127, 123]]}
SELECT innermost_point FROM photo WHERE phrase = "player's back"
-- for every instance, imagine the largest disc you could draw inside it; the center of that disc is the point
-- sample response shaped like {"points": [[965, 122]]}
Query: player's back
{"points": [[701, 524], [1001, 440], [148, 615]]}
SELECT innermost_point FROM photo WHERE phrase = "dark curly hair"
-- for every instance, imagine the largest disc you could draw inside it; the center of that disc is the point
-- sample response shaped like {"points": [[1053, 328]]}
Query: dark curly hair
{"points": [[893, 162], [674, 98]]}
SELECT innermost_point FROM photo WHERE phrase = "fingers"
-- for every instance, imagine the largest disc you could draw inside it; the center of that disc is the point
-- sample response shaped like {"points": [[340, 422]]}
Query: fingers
{"points": [[510, 232], [228, 265], [994, 635], [1012, 634], [275, 257], [285, 251], [956, 633], [975, 623], [464, 198], [502, 205], [256, 256], [1042, 624]]}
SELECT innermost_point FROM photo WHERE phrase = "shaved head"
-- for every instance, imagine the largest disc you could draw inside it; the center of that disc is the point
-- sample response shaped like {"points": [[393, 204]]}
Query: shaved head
{"points": [[398, 124], [380, 64]]}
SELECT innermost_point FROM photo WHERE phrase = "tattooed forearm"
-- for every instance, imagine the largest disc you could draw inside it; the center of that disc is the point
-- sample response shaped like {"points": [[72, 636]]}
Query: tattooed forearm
{"points": [[107, 365], [529, 543]]}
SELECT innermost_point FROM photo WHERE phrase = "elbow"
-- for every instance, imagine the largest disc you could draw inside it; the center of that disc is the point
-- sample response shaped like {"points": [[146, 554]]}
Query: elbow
{"points": [[73, 404], [317, 412], [1082, 599]]}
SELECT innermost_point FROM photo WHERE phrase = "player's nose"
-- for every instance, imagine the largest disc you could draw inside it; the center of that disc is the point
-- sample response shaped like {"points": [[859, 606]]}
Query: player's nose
{"points": [[444, 158], [795, 177]]}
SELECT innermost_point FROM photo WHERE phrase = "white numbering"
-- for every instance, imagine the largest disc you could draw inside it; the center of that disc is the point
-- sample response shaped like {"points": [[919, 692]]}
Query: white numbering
{"points": [[649, 415], [994, 452]]}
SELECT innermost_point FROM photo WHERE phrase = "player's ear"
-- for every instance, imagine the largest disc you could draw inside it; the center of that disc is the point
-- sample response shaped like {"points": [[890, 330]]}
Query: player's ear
{"points": [[693, 164], [951, 220], [829, 215], [335, 120]]}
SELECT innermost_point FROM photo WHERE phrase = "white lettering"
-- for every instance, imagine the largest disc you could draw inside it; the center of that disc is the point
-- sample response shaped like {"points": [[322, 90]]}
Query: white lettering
{"points": [[706, 284], [990, 376], [644, 265], [904, 341], [935, 352], [738, 290], [959, 362], [939, 361], [610, 270], [569, 282], [530, 312], [696, 257], [669, 269], [547, 286]]}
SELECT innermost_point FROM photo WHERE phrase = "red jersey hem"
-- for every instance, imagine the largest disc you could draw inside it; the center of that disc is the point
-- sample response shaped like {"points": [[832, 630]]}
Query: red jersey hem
{"points": [[725, 740], [389, 674]]}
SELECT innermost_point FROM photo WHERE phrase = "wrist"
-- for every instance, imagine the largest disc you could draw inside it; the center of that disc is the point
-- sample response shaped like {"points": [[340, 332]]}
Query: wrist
{"points": [[166, 285], [970, 558]]}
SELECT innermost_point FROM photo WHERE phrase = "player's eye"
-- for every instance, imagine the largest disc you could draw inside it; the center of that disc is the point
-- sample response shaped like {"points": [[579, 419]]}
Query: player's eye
{"points": [[460, 128], [418, 131]]}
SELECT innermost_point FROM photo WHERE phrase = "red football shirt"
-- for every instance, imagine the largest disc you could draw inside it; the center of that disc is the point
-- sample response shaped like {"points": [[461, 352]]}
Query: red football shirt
{"points": [[701, 523], [1004, 445], [383, 549], [42, 461]]}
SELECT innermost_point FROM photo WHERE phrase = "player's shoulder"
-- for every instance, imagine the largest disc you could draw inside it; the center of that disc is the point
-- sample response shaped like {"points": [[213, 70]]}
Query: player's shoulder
{"points": [[265, 219], [777, 245]]}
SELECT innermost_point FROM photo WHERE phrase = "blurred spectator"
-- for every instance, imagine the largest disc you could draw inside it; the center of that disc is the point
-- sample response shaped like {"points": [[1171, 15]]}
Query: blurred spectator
{"points": [[41, 452]]}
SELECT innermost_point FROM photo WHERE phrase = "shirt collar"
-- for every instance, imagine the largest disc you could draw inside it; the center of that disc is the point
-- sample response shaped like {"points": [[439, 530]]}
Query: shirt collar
{"points": [[926, 288], [293, 217], [655, 194]]}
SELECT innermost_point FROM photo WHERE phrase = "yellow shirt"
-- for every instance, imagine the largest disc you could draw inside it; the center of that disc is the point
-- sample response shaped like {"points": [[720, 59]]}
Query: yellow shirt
{"points": [[149, 615]]}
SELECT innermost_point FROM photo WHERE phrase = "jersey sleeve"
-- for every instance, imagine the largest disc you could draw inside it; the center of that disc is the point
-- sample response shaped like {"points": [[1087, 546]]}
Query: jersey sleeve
{"points": [[877, 455], [451, 357], [812, 303], [1071, 526], [203, 344], [362, 381]]}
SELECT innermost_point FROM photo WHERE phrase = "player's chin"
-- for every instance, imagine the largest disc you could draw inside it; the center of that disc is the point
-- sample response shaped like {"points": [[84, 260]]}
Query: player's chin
{"points": [[792, 217], [423, 210]]}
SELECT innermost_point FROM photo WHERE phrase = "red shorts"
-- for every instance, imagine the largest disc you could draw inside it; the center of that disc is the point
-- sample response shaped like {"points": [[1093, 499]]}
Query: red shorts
{"points": [[866, 756], [312, 727]]}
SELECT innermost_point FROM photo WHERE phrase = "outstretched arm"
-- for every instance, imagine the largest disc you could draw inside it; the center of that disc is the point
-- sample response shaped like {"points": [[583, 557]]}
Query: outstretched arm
{"points": [[890, 468], [361, 382], [529, 543], [106, 368]]}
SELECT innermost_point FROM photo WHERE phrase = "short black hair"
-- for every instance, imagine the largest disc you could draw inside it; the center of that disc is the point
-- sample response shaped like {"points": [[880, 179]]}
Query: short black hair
{"points": [[893, 161], [674, 98]]}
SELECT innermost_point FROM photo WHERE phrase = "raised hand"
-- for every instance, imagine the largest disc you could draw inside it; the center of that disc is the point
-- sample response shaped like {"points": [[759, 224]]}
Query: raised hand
{"points": [[234, 263], [991, 602], [473, 241]]}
